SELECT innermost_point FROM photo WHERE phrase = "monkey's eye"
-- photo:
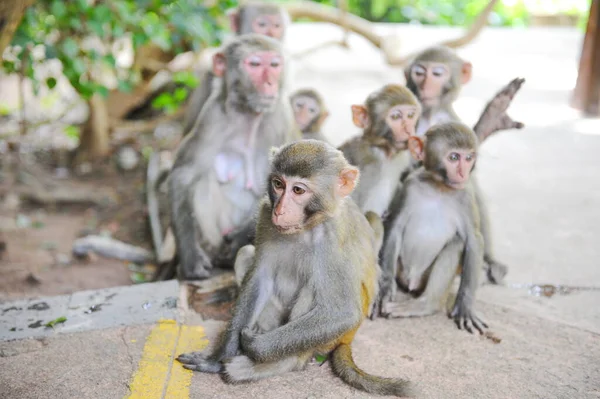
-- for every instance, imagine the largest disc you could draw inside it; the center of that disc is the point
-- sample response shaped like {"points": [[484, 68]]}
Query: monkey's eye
{"points": [[312, 110], [298, 190], [454, 156], [438, 71], [411, 115], [275, 62], [254, 61], [395, 116], [277, 184], [470, 157], [419, 70]]}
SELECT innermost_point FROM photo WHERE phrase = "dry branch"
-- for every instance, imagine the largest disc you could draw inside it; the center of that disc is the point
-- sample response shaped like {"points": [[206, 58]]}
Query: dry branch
{"points": [[364, 28]]}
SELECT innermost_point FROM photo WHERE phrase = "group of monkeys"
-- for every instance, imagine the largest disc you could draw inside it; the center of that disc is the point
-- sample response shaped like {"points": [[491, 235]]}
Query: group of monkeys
{"points": [[321, 238]]}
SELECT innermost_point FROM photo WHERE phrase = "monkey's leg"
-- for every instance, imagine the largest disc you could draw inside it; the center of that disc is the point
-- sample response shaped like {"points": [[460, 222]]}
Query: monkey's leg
{"points": [[194, 263], [494, 270], [433, 298], [242, 368]]}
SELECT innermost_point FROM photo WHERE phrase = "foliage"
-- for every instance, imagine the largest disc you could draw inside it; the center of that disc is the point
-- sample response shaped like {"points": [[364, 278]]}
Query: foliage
{"points": [[85, 36], [456, 12]]}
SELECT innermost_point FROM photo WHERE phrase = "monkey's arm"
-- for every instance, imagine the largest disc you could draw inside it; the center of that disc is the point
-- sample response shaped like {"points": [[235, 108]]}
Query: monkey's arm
{"points": [[256, 289], [330, 318], [494, 117], [197, 101], [463, 312]]}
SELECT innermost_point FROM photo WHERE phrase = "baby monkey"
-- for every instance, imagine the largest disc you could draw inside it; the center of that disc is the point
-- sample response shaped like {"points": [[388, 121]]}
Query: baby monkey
{"points": [[436, 230], [310, 113], [312, 276]]}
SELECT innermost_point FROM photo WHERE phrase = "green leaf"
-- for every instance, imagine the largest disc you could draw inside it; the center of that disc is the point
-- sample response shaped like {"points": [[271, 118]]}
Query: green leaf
{"points": [[124, 86], [51, 82], [54, 322], [58, 9], [180, 94], [70, 47], [162, 100], [110, 60], [320, 358], [187, 78], [72, 131], [97, 27], [139, 39]]}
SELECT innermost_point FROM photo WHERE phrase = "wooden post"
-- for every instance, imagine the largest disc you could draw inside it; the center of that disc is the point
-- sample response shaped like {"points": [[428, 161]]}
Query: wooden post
{"points": [[586, 96]]}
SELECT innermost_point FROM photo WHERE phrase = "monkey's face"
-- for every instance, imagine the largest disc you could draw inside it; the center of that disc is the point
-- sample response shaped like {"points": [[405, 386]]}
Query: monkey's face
{"points": [[429, 79], [290, 198], [402, 119], [306, 110], [268, 25], [458, 164], [264, 71]]}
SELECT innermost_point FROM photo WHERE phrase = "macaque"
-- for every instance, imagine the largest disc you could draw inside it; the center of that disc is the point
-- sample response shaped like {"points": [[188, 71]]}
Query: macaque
{"points": [[388, 119], [312, 279], [310, 113], [219, 171], [266, 19], [436, 230], [436, 76]]}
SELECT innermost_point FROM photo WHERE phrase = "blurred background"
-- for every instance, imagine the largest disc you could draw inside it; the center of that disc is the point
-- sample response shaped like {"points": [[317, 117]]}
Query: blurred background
{"points": [[89, 89]]}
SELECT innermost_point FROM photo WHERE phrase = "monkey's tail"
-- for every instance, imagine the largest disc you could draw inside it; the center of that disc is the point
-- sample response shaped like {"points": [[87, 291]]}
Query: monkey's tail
{"points": [[344, 367]]}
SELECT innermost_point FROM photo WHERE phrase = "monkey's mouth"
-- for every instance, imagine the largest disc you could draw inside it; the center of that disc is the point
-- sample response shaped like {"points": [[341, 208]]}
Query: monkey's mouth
{"points": [[288, 229]]}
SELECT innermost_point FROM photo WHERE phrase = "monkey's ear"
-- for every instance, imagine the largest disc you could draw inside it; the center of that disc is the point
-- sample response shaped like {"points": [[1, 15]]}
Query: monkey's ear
{"points": [[347, 180], [360, 116], [416, 148], [234, 20], [273, 151], [219, 64], [466, 72], [324, 116]]}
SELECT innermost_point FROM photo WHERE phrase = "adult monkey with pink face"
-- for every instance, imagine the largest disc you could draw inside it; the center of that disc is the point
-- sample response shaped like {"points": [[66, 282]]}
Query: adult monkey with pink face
{"points": [[220, 169], [436, 76], [253, 17], [436, 230], [388, 118]]}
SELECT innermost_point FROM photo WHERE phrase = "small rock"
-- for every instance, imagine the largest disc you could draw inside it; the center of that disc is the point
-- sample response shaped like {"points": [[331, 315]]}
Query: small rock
{"points": [[63, 259], [32, 279], [127, 158], [23, 221]]}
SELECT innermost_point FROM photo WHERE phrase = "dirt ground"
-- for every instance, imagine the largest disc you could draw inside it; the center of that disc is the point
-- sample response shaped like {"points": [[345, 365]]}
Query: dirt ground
{"points": [[37, 257]]}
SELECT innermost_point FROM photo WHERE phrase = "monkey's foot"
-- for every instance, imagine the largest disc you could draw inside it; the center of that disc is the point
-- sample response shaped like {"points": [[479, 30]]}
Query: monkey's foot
{"points": [[464, 317], [200, 271], [238, 368], [196, 361], [495, 271], [409, 308]]}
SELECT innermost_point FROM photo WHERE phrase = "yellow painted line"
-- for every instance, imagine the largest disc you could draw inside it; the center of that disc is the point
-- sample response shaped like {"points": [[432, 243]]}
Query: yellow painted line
{"points": [[150, 378], [157, 367], [191, 338]]}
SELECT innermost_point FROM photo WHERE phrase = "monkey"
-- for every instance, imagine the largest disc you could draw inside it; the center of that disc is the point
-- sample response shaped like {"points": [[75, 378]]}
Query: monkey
{"points": [[310, 113], [436, 230], [217, 177], [388, 119], [253, 17], [312, 278], [436, 77]]}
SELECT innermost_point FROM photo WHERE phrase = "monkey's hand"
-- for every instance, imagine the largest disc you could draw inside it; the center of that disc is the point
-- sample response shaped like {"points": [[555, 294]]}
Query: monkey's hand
{"points": [[494, 270], [252, 344], [464, 316], [494, 117], [387, 295], [197, 361]]}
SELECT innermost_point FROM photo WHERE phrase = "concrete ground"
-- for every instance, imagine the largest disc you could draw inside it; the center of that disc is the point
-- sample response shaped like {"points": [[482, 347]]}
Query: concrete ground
{"points": [[543, 192]]}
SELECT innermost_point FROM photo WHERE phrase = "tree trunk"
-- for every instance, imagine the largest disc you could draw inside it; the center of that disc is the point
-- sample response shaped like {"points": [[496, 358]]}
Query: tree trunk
{"points": [[95, 142], [586, 96], [11, 13]]}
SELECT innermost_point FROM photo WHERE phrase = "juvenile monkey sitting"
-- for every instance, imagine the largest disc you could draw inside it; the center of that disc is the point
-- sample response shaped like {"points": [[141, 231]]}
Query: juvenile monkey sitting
{"points": [[311, 279]]}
